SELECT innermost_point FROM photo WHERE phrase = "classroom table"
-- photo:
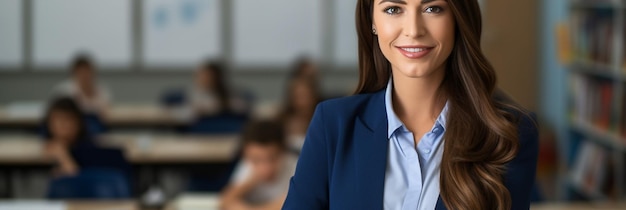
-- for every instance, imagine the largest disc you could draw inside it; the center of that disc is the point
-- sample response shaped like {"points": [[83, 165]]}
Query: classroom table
{"points": [[67, 205], [18, 150], [120, 115], [194, 201], [208, 201], [149, 153], [579, 206]]}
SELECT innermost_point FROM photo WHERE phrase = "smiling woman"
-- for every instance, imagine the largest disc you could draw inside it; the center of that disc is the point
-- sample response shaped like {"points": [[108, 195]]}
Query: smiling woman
{"points": [[424, 130]]}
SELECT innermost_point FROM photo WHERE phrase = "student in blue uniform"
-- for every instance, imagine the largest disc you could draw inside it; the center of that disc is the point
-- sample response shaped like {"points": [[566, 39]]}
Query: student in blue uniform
{"points": [[65, 130], [424, 130]]}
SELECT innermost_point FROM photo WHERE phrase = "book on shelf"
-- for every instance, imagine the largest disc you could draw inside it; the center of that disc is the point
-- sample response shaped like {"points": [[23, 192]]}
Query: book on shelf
{"points": [[622, 119], [592, 99], [592, 35], [623, 70], [591, 171]]}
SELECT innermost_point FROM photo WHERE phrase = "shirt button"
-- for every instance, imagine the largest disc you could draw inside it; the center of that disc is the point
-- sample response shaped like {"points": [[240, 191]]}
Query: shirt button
{"points": [[427, 151]]}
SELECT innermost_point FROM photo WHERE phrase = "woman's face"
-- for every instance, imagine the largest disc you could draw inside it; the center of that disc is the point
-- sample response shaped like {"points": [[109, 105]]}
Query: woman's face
{"points": [[63, 126], [416, 36]]}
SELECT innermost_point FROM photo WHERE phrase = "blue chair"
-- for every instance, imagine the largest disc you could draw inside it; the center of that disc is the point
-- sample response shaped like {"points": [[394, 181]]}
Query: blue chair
{"points": [[219, 124], [173, 97], [104, 174], [95, 125], [91, 183], [96, 157], [213, 178]]}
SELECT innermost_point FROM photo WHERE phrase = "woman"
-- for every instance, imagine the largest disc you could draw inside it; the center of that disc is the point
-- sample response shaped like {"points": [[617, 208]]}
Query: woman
{"points": [[300, 101], [65, 129], [424, 130]]}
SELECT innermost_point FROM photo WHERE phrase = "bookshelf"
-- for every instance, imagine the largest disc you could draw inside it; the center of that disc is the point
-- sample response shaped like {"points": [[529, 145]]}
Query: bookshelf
{"points": [[596, 141]]}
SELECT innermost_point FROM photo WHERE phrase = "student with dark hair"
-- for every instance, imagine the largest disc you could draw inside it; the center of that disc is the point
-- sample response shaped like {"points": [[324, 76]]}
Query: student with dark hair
{"points": [[261, 181], [210, 94], [65, 129], [84, 88], [301, 97], [305, 68]]}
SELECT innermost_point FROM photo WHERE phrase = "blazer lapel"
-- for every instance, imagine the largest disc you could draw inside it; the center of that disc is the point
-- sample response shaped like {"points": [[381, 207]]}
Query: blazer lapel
{"points": [[370, 141]]}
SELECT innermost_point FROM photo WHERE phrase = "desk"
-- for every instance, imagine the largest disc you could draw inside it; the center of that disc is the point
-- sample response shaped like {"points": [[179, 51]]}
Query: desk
{"points": [[139, 149], [26, 115], [172, 149], [68, 205], [194, 201], [148, 152], [144, 115], [102, 205], [579, 206]]}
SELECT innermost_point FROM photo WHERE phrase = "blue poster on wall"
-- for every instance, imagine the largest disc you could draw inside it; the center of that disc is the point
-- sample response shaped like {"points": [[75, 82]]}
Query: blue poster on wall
{"points": [[181, 32]]}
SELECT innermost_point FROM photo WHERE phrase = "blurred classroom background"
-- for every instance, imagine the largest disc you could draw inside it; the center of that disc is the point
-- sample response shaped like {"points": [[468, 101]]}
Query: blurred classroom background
{"points": [[168, 104]]}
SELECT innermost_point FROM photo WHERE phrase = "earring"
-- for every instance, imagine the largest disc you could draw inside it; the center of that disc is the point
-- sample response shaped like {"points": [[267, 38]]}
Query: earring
{"points": [[374, 31]]}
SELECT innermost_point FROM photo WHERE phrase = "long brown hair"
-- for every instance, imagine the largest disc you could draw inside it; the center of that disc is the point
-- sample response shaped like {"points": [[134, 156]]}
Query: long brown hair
{"points": [[220, 86], [481, 135]]}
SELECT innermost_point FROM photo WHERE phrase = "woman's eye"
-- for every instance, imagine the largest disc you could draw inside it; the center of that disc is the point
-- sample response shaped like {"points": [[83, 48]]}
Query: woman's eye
{"points": [[433, 9], [393, 10]]}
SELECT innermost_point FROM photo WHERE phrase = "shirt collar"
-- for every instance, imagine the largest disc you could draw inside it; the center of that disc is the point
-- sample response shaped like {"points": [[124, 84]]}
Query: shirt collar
{"points": [[394, 122]]}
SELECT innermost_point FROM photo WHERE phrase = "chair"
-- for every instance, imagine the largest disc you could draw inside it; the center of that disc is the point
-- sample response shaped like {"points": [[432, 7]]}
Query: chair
{"points": [[226, 123], [104, 174], [97, 157], [91, 183]]}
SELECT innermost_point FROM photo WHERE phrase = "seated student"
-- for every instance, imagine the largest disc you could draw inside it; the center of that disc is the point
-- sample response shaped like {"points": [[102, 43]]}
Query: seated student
{"points": [[262, 178], [92, 97], [65, 130], [210, 94], [300, 101], [305, 68]]}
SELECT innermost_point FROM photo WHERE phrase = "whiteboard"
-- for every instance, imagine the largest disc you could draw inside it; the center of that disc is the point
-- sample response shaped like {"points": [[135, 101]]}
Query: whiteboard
{"points": [[181, 32], [63, 28], [276, 32], [11, 33], [345, 38]]}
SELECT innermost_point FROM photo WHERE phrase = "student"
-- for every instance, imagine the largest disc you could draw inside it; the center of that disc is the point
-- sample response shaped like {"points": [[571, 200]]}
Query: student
{"points": [[65, 130], [210, 94], [92, 97], [423, 130], [305, 68], [261, 180], [300, 101]]}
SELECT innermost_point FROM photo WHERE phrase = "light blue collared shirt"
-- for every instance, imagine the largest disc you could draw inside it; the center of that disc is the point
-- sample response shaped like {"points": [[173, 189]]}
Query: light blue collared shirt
{"points": [[412, 176]]}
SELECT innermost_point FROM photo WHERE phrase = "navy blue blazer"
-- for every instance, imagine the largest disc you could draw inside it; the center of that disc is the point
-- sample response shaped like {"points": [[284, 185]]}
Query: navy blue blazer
{"points": [[344, 158]]}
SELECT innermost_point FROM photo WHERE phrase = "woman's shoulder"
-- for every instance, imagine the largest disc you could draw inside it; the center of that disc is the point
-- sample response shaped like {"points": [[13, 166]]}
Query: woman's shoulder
{"points": [[348, 103]]}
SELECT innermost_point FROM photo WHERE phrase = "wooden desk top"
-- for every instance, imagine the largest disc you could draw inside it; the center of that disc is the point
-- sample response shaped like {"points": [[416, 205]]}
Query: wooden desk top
{"points": [[67, 205], [139, 149], [579, 206], [164, 148], [102, 205], [118, 115]]}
